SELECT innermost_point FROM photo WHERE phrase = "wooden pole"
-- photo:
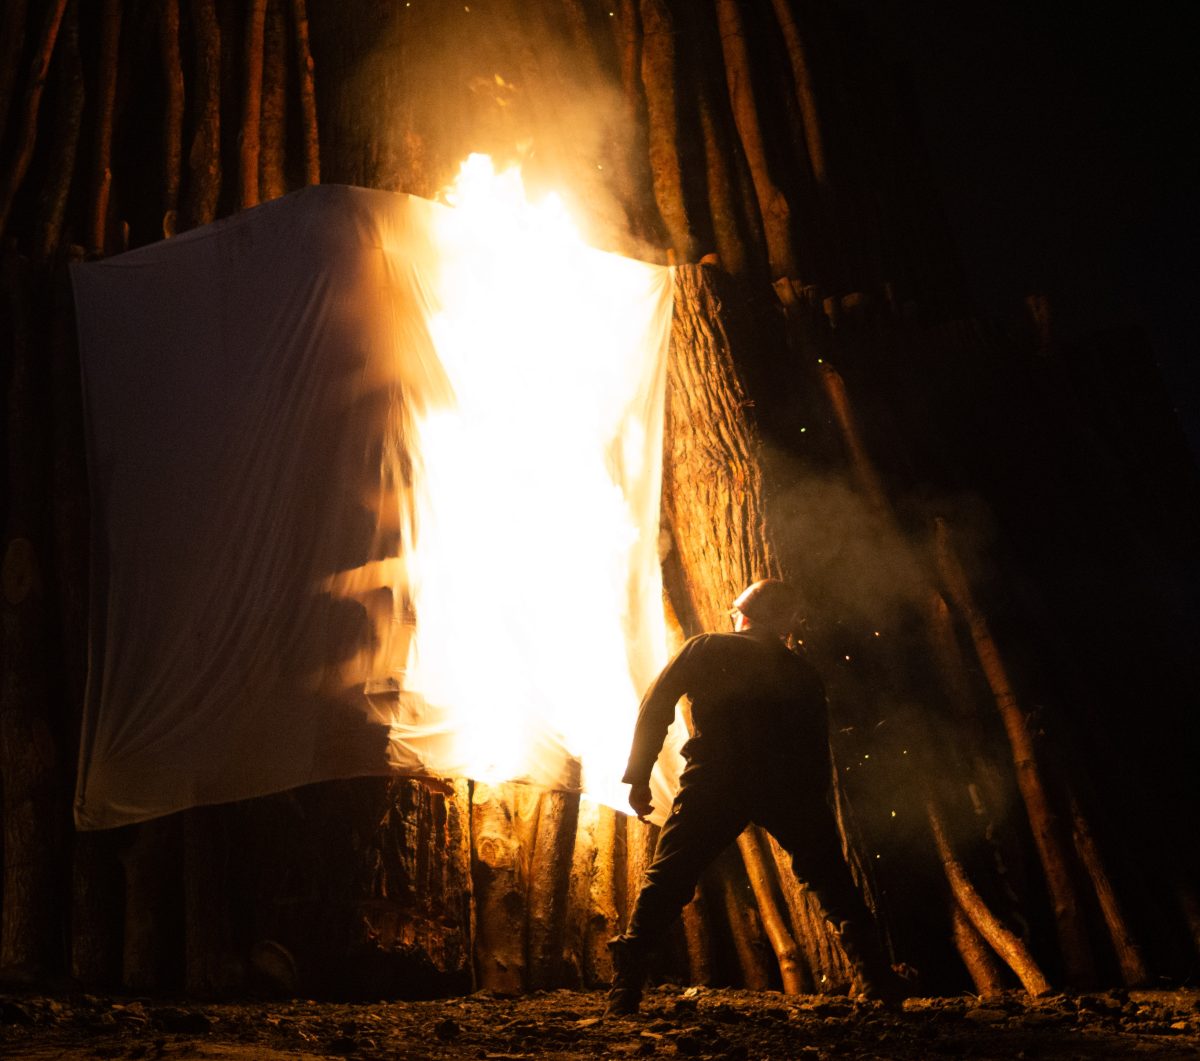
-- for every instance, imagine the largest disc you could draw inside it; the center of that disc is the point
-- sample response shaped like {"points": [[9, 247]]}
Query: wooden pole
{"points": [[985, 972], [67, 128], [106, 99], [776, 211], [172, 64], [1003, 941], [763, 882], [1128, 950], [272, 182], [252, 86], [1068, 915], [658, 81], [204, 155], [310, 143], [14, 175]]}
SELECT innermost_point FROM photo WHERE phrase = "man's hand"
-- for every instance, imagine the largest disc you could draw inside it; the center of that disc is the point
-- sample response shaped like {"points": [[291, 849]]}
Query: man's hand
{"points": [[639, 800]]}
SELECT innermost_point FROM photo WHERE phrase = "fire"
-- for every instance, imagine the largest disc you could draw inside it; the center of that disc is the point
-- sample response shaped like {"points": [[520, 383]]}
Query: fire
{"points": [[532, 564]]}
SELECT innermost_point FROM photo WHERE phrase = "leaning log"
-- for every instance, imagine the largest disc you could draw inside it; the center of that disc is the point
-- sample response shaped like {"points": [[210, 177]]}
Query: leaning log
{"points": [[1043, 821], [14, 174], [1002, 939]]}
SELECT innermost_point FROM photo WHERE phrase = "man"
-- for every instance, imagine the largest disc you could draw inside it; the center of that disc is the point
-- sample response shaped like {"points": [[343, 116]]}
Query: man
{"points": [[759, 753]]}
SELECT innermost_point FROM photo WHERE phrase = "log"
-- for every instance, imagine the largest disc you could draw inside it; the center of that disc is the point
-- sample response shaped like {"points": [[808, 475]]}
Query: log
{"points": [[1043, 821], [659, 76], [272, 182], [1006, 944], [737, 900], [985, 972], [106, 100], [172, 65], [773, 204], [68, 114], [549, 883], [763, 882], [310, 142], [14, 175], [500, 880], [250, 137], [1129, 952], [806, 95], [204, 155]]}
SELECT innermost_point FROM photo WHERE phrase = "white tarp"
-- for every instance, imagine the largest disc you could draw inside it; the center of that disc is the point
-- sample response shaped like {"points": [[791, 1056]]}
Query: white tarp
{"points": [[257, 396]]}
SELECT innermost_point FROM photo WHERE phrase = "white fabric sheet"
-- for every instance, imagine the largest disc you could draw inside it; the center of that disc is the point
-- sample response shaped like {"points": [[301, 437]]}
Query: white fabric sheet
{"points": [[254, 393]]}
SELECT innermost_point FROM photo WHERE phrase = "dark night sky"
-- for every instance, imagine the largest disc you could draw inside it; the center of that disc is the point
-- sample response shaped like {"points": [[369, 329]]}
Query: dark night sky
{"points": [[1063, 135]]}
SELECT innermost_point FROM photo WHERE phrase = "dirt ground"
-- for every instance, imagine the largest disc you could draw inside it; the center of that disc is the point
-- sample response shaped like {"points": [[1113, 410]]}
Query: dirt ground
{"points": [[675, 1022]]}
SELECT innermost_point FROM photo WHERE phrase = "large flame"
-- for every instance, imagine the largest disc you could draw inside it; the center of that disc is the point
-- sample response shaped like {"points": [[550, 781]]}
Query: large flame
{"points": [[533, 564]]}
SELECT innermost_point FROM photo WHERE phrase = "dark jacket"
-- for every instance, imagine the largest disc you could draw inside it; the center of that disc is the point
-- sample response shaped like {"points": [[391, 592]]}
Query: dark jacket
{"points": [[756, 707]]}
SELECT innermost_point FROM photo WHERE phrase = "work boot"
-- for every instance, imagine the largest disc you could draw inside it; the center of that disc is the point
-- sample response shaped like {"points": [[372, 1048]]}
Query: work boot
{"points": [[629, 973], [876, 979]]}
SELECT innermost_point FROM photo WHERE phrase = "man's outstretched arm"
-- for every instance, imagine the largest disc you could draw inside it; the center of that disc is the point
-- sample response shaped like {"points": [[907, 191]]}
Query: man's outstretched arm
{"points": [[655, 716]]}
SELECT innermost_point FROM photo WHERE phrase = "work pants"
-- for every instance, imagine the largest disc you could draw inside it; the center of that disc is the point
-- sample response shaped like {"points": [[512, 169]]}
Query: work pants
{"points": [[710, 811]]}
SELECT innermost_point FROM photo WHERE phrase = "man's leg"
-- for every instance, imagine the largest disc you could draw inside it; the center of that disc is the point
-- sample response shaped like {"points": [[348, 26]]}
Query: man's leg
{"points": [[809, 834], [705, 818]]}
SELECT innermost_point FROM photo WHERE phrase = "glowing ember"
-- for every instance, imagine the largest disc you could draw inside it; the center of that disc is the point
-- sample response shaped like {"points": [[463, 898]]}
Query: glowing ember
{"points": [[533, 566]]}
